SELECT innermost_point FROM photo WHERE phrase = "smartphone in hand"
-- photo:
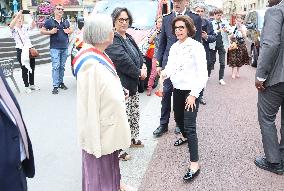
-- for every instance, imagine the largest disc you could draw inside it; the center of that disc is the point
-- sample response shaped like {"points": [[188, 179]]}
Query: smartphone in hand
{"points": [[26, 12]]}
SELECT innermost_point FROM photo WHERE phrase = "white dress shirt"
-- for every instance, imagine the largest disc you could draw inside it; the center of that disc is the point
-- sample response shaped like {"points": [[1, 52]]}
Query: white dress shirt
{"points": [[182, 13], [187, 66], [22, 150]]}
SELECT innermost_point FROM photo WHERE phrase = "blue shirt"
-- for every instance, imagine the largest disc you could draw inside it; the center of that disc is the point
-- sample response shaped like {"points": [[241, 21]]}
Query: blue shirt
{"points": [[60, 39]]}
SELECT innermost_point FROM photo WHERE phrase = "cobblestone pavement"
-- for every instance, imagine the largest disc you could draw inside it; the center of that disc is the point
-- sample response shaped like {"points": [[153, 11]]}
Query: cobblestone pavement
{"points": [[229, 140]]}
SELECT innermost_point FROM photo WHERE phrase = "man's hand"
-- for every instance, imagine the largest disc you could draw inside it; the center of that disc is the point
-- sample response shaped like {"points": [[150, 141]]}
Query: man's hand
{"points": [[67, 31], [53, 31], [259, 85], [204, 35]]}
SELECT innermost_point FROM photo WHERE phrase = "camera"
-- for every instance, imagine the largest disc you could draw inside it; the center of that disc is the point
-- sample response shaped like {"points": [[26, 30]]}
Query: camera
{"points": [[26, 12]]}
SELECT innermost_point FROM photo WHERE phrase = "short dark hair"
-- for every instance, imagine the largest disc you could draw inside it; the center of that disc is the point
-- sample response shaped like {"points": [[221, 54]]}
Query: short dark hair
{"points": [[117, 11], [218, 11], [189, 24], [211, 13]]}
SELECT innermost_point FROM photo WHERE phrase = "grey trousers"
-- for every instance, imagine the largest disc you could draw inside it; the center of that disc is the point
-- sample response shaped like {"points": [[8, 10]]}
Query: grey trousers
{"points": [[269, 102]]}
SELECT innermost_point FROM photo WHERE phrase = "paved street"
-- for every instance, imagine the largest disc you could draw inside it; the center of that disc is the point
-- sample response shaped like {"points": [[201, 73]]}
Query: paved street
{"points": [[229, 136], [229, 139], [51, 121]]}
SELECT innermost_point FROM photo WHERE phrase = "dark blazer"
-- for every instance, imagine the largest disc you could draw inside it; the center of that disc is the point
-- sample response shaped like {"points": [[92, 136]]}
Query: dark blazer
{"points": [[211, 37], [127, 69], [270, 64], [10, 179], [167, 38]]}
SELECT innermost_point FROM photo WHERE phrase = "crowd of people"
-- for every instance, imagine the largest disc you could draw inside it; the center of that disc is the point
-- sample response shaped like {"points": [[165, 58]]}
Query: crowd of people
{"points": [[108, 67]]}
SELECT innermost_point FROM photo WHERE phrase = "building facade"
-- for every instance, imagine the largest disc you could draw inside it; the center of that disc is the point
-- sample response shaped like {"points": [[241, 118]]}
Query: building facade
{"points": [[233, 7]]}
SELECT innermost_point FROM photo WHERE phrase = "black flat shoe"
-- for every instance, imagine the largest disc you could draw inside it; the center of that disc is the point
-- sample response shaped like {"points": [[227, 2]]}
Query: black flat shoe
{"points": [[190, 175], [180, 141], [262, 163], [160, 131]]}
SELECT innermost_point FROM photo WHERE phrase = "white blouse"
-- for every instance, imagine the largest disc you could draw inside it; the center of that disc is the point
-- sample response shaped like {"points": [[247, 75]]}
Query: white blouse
{"points": [[237, 33], [22, 32], [187, 66]]}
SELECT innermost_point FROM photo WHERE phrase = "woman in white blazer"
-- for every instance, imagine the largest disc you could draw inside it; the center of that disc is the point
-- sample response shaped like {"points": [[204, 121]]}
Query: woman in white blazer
{"points": [[187, 69]]}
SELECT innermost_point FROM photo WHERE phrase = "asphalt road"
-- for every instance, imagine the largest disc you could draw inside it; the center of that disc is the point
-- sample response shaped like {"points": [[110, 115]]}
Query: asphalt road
{"points": [[51, 123], [229, 140], [228, 132]]}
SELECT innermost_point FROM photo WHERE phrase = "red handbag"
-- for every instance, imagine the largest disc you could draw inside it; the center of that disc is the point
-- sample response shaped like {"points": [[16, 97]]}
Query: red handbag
{"points": [[33, 53]]}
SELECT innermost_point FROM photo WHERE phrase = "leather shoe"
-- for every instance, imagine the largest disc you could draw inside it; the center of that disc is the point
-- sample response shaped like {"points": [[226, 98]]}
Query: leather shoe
{"points": [[202, 101], [190, 175], [262, 163], [160, 131], [177, 130]]}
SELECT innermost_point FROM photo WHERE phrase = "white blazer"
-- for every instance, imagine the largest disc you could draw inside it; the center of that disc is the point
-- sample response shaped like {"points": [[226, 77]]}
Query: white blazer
{"points": [[101, 112]]}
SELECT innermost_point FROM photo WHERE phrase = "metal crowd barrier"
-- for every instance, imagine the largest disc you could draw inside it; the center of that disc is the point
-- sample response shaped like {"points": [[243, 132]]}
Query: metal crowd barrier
{"points": [[7, 67]]}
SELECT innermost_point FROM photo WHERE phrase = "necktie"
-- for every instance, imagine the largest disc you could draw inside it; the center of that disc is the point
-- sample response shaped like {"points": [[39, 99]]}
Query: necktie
{"points": [[218, 23], [15, 112]]}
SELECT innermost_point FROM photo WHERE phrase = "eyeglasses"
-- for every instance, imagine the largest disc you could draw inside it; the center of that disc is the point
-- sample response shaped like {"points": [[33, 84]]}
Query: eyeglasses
{"points": [[121, 20], [180, 28], [60, 9]]}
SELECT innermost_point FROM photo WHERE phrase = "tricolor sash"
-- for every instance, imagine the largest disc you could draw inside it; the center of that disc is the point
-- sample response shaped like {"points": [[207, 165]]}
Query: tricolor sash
{"points": [[92, 53]]}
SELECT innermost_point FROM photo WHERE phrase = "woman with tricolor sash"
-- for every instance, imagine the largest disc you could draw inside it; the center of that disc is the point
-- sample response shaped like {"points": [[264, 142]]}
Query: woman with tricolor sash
{"points": [[101, 113]]}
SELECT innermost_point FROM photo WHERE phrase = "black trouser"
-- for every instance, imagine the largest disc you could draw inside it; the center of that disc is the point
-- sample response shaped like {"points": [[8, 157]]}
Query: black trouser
{"points": [[222, 57], [28, 77], [186, 120], [166, 102]]}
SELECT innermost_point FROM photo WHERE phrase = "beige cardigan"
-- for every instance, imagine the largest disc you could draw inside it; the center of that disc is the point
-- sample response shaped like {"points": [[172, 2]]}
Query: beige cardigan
{"points": [[101, 111]]}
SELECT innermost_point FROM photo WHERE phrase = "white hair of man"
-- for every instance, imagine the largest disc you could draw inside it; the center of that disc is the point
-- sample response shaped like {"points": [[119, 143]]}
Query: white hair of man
{"points": [[200, 5], [97, 28]]}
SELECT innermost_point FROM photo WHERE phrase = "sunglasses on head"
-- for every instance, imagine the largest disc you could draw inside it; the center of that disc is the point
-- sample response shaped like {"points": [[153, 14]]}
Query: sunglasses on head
{"points": [[60, 9]]}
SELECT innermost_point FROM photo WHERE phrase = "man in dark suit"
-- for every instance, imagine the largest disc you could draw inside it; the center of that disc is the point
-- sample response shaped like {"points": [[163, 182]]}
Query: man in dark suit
{"points": [[167, 39], [270, 85], [16, 158], [208, 36]]}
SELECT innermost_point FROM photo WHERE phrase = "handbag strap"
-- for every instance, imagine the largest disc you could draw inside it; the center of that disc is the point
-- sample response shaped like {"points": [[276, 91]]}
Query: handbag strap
{"points": [[20, 37]]}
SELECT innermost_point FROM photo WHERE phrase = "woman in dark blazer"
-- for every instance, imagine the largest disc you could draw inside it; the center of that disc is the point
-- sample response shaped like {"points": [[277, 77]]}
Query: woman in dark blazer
{"points": [[128, 61]]}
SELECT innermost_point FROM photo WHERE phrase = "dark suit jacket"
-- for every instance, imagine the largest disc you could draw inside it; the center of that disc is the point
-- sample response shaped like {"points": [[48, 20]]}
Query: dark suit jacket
{"points": [[270, 64], [211, 38], [167, 38], [127, 69], [10, 151]]}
